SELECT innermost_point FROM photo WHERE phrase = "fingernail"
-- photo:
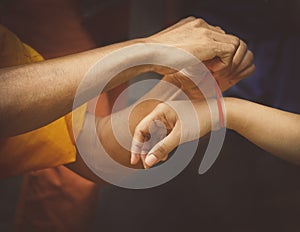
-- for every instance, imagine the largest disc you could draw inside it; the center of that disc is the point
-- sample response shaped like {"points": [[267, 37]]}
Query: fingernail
{"points": [[151, 160]]}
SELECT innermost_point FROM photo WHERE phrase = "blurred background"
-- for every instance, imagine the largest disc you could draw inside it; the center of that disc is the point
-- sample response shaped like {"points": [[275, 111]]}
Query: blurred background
{"points": [[247, 189]]}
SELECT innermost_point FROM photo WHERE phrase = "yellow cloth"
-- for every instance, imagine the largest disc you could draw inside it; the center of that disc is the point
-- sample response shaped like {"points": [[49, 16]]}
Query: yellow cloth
{"points": [[46, 147]]}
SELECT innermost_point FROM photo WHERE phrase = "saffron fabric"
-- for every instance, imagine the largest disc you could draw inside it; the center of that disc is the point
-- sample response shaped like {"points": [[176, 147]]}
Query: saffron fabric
{"points": [[49, 146]]}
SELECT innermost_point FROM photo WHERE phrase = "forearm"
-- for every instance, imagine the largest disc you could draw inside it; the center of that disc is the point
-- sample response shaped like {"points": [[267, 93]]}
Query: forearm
{"points": [[107, 137], [47, 89], [114, 128], [273, 130], [168, 89]]}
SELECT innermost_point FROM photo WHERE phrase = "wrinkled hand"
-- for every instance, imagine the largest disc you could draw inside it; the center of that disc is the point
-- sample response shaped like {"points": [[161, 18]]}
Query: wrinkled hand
{"points": [[166, 127], [226, 56], [204, 41], [241, 67], [238, 68]]}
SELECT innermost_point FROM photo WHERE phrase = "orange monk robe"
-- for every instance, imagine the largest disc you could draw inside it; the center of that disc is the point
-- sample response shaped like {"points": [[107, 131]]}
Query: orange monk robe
{"points": [[49, 146]]}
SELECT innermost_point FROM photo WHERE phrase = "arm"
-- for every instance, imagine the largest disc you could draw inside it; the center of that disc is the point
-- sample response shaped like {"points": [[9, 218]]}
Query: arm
{"points": [[47, 89], [107, 138], [135, 113], [275, 131]]}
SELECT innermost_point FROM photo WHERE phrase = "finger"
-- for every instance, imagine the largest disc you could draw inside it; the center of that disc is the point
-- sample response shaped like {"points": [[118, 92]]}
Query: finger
{"points": [[228, 78], [139, 137], [238, 77], [141, 142], [145, 149], [165, 158], [163, 148], [223, 46], [156, 141], [247, 72], [135, 158], [239, 55], [245, 64], [158, 132], [213, 64], [224, 53], [136, 150]]}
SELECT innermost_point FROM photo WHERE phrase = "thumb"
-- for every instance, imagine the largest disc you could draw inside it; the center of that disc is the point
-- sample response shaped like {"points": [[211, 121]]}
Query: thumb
{"points": [[163, 148]]}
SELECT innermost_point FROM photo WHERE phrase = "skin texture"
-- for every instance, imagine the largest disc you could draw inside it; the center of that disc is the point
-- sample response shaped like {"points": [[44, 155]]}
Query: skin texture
{"points": [[273, 130], [27, 87], [139, 120], [240, 65]]}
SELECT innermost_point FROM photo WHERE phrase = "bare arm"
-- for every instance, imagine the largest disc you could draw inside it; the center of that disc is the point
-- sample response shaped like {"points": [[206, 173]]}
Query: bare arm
{"points": [[275, 131], [170, 88], [37, 94], [34, 95]]}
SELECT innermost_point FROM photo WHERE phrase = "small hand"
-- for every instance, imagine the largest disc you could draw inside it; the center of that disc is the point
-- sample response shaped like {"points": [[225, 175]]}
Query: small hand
{"points": [[166, 127], [151, 131]]}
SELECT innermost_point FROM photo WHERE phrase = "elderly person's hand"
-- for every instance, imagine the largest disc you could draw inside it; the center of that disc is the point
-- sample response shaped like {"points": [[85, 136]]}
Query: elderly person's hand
{"points": [[226, 56], [206, 42]]}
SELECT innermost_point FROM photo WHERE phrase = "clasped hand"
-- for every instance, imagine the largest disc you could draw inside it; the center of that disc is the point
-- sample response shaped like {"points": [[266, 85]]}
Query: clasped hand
{"points": [[229, 61]]}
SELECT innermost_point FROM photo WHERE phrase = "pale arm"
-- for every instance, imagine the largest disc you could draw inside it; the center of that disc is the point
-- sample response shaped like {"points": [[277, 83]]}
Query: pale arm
{"points": [[275, 131]]}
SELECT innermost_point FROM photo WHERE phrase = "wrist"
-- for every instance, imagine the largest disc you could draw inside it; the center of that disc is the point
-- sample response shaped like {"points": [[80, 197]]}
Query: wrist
{"points": [[165, 58], [234, 113]]}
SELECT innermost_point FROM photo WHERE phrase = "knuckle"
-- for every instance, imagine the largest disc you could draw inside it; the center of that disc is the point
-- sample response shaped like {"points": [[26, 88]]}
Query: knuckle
{"points": [[216, 50], [242, 43], [199, 21], [220, 29], [139, 134], [139, 129], [231, 48], [190, 18]]}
